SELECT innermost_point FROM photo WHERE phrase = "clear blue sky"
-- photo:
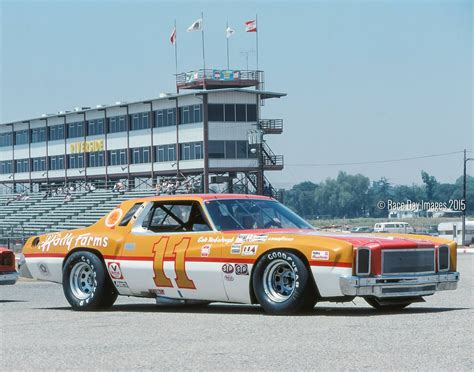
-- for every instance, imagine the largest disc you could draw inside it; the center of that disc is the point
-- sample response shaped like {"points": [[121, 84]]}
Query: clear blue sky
{"points": [[365, 80]]}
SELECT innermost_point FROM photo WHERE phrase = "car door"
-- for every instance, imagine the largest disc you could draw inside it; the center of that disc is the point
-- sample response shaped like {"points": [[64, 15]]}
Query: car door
{"points": [[172, 256]]}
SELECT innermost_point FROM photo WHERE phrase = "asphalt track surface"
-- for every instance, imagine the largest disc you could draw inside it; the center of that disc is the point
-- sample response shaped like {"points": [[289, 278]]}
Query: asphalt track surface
{"points": [[38, 331]]}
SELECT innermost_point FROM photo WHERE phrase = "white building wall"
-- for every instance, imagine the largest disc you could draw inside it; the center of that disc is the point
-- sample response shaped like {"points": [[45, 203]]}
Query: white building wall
{"points": [[232, 97]]}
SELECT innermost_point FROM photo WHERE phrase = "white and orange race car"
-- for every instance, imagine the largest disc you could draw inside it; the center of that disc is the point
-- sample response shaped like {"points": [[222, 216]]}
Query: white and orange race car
{"points": [[235, 248]]}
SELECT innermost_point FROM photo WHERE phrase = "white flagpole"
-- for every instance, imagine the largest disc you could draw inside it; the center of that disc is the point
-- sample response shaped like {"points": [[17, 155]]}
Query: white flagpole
{"points": [[256, 36], [227, 38], [177, 103], [176, 53], [203, 53]]}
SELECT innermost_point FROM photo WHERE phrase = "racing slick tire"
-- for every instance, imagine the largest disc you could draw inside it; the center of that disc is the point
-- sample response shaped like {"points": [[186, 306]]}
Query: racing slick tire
{"points": [[387, 306], [283, 284], [86, 283]]}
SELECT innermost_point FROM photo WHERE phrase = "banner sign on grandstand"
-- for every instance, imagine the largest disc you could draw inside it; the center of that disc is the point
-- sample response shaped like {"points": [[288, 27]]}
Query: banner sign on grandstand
{"points": [[86, 146]]}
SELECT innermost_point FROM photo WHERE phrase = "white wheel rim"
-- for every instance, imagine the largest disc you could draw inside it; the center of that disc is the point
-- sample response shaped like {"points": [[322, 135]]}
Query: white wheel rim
{"points": [[279, 280], [82, 280]]}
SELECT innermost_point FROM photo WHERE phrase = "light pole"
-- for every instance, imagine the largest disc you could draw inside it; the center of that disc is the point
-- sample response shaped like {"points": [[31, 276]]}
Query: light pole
{"points": [[466, 159]]}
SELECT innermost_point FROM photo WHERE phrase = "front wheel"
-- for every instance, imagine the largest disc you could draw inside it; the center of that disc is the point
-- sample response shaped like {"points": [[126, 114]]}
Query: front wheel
{"points": [[283, 283], [86, 284]]}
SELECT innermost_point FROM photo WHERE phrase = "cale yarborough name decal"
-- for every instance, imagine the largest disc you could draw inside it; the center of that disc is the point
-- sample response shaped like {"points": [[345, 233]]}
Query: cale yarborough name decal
{"points": [[71, 241]]}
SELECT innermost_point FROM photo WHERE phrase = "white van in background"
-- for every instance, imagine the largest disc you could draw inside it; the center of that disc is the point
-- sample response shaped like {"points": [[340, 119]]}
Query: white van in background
{"points": [[394, 227]]}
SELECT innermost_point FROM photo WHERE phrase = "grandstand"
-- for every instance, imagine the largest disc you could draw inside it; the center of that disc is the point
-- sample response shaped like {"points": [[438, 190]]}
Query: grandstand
{"points": [[21, 219]]}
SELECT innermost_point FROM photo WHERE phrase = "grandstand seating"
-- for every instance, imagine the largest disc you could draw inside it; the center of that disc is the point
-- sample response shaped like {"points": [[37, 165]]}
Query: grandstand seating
{"points": [[38, 215]]}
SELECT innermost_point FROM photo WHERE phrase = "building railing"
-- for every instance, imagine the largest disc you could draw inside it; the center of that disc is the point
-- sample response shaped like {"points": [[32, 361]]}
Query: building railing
{"points": [[271, 124], [217, 75], [273, 161], [270, 160]]}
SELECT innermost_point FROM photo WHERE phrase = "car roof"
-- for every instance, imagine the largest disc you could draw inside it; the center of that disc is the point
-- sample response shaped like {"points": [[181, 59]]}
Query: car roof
{"points": [[197, 197]]}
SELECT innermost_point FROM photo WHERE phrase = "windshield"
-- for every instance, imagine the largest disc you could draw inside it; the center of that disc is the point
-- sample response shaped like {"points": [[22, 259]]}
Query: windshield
{"points": [[247, 214]]}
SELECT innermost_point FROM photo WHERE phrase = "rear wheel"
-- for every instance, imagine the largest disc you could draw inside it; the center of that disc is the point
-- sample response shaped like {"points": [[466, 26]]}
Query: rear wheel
{"points": [[395, 305], [283, 284], [86, 283]]}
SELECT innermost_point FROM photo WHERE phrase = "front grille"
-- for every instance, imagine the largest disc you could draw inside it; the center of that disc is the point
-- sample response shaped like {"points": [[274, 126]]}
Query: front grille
{"points": [[408, 261]]}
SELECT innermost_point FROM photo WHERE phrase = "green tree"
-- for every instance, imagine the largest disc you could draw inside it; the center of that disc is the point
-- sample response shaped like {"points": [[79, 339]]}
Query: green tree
{"points": [[345, 196], [430, 185], [301, 199]]}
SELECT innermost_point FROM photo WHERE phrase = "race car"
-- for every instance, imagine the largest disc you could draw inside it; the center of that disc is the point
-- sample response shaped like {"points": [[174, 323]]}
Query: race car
{"points": [[235, 248], [8, 273]]}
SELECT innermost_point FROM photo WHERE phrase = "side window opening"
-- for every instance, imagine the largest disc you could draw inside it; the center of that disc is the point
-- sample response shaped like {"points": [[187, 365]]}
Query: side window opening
{"points": [[176, 217]]}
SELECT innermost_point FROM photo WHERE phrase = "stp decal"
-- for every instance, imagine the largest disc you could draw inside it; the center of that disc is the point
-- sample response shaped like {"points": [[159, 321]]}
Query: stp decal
{"points": [[241, 269], [228, 268]]}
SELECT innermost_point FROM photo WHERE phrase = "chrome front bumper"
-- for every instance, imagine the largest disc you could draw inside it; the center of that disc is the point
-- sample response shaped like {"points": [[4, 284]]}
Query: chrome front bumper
{"points": [[398, 285], [8, 278]]}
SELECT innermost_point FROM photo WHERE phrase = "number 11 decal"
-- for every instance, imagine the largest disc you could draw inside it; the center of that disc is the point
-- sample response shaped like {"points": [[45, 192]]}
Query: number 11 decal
{"points": [[164, 252]]}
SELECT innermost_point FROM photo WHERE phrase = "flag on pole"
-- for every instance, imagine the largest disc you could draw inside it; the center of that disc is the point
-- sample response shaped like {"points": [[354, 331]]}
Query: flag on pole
{"points": [[251, 26], [229, 32], [173, 36], [196, 26]]}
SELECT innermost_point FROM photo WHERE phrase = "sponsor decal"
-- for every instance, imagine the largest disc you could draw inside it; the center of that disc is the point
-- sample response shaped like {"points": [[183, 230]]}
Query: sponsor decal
{"points": [[280, 239], [212, 239], [236, 248], [251, 238], [229, 278], [228, 268], [243, 238], [205, 250], [137, 213], [43, 268], [114, 270], [113, 218], [259, 238], [157, 291], [249, 250], [120, 283], [241, 269], [320, 255], [70, 241]]}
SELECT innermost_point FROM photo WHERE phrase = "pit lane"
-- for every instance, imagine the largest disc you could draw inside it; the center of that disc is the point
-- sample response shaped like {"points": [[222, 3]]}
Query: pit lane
{"points": [[39, 331]]}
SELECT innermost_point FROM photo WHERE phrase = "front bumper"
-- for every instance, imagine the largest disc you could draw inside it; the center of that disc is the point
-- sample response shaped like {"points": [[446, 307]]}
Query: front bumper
{"points": [[398, 286], [8, 277]]}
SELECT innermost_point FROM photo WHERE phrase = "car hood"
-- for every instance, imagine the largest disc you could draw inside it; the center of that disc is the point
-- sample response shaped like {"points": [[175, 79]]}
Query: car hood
{"points": [[368, 240]]}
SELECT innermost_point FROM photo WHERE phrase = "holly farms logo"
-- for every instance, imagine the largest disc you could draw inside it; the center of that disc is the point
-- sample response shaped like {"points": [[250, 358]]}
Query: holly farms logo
{"points": [[71, 241]]}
